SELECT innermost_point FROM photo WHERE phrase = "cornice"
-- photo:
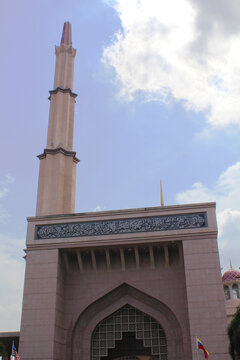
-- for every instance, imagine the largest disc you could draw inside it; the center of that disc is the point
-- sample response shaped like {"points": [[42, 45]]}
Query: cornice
{"points": [[65, 48], [138, 240], [57, 151], [171, 209], [63, 90]]}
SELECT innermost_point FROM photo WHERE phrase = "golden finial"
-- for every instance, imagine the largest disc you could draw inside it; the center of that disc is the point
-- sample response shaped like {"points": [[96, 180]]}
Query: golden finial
{"points": [[230, 265], [161, 194]]}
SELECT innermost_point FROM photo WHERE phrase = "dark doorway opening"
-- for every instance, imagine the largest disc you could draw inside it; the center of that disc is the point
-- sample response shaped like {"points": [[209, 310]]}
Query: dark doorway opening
{"points": [[129, 334], [128, 346]]}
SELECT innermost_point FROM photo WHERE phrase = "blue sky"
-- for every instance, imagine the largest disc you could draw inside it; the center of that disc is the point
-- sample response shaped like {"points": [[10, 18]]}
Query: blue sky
{"points": [[158, 98]]}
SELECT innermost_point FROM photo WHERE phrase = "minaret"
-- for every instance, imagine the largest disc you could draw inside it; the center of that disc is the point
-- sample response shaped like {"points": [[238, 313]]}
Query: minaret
{"points": [[57, 176]]}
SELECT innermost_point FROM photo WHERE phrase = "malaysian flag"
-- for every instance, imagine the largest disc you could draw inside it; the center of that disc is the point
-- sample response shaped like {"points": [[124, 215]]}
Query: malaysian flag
{"points": [[14, 352]]}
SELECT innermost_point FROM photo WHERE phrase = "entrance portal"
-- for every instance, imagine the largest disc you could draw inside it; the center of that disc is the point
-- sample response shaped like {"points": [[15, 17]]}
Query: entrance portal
{"points": [[129, 334]]}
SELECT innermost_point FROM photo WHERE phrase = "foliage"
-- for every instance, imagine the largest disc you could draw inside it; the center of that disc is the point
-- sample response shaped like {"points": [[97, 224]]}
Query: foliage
{"points": [[3, 350], [234, 335]]}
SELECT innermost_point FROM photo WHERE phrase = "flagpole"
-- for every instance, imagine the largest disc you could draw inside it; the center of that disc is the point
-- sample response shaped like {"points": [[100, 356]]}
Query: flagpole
{"points": [[197, 348], [12, 350]]}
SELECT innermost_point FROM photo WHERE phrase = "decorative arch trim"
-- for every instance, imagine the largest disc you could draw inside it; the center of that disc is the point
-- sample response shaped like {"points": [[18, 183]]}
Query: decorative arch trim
{"points": [[79, 335]]}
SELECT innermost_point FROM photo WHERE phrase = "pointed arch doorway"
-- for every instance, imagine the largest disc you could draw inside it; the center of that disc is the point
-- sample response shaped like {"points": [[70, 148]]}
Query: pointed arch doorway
{"points": [[129, 334]]}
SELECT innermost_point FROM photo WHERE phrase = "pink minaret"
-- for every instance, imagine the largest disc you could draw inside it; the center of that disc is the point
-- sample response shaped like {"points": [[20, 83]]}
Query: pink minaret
{"points": [[57, 176]]}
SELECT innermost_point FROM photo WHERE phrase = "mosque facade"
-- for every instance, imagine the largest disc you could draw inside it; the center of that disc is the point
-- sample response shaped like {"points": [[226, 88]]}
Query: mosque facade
{"points": [[135, 284]]}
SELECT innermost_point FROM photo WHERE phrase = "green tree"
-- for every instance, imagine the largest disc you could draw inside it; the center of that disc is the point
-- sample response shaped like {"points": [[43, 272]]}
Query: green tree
{"points": [[234, 335], [3, 350]]}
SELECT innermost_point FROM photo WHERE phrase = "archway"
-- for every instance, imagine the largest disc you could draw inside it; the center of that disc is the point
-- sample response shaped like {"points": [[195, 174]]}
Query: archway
{"points": [[82, 327], [128, 333]]}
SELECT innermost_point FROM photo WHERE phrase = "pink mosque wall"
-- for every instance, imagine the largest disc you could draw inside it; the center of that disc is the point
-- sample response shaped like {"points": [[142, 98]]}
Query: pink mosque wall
{"points": [[186, 298]]}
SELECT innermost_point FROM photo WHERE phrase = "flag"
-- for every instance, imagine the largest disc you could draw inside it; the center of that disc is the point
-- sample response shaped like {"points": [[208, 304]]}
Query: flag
{"points": [[201, 346], [14, 352]]}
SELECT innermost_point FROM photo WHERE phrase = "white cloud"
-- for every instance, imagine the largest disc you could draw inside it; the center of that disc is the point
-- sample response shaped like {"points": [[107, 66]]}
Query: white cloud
{"points": [[226, 193], [11, 270], [179, 50], [3, 214], [10, 179], [11, 282], [4, 185], [98, 208], [4, 190]]}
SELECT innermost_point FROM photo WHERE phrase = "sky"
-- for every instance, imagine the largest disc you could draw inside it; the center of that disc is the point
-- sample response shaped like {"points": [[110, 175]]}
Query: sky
{"points": [[158, 87]]}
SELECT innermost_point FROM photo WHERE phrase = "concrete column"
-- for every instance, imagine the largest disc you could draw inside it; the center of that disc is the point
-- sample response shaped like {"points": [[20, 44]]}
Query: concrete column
{"points": [[67, 266], [41, 325], [94, 263], [180, 251], [166, 255], [79, 258], [137, 258], [205, 297], [122, 259], [108, 259], [152, 262]]}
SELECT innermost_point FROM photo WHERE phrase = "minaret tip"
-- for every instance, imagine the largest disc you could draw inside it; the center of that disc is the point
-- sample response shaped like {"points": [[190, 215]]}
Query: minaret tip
{"points": [[67, 34], [161, 193]]}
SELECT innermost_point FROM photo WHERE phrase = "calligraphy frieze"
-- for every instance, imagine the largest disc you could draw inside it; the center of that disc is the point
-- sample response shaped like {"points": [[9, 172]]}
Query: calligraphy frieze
{"points": [[122, 226]]}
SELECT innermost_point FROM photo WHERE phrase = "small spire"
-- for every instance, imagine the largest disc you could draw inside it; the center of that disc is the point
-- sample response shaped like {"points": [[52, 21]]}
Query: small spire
{"points": [[161, 193], [230, 264], [67, 34]]}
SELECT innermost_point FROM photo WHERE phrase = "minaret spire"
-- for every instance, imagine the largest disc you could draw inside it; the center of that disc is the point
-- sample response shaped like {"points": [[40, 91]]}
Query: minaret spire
{"points": [[67, 34], [57, 176], [161, 194]]}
